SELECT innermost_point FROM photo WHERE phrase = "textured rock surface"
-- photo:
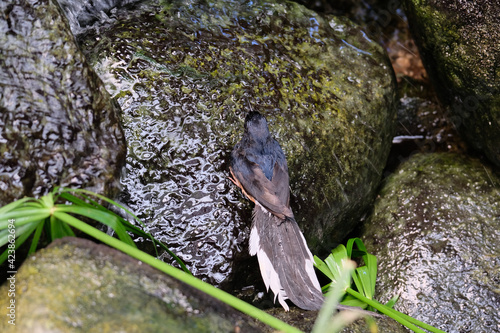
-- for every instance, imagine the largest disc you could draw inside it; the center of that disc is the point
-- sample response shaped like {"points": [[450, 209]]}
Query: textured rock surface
{"points": [[82, 13], [436, 232], [458, 41], [78, 286], [185, 76], [58, 125]]}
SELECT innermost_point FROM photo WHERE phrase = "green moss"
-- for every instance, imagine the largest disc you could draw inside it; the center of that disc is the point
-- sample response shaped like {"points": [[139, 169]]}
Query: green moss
{"points": [[434, 229], [78, 286], [459, 45], [328, 96]]}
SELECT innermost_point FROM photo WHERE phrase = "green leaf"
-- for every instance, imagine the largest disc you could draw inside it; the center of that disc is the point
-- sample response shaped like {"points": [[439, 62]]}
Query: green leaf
{"points": [[336, 261], [353, 301], [358, 282], [59, 229], [326, 287], [36, 238], [323, 323], [392, 301], [98, 215], [22, 216], [371, 274], [22, 233], [323, 268], [47, 201], [13, 205], [65, 194], [77, 201], [352, 253]]}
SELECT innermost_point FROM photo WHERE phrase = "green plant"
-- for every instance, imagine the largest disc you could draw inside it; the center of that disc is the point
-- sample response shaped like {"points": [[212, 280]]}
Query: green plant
{"points": [[364, 278], [31, 216], [325, 323]]}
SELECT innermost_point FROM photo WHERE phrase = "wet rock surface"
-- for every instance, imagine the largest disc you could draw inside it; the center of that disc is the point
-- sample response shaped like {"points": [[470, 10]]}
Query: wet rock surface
{"points": [[185, 76], [459, 45], [58, 125], [82, 14], [75, 285], [435, 231]]}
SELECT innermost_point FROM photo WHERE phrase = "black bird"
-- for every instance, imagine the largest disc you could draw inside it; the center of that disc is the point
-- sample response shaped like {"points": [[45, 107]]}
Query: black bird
{"points": [[258, 166]]}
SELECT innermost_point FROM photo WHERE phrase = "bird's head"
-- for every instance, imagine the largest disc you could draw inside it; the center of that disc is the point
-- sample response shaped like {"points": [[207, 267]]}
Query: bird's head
{"points": [[256, 126]]}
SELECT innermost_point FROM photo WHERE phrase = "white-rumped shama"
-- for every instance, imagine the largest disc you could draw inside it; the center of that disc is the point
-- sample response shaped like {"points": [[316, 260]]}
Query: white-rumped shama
{"points": [[258, 166]]}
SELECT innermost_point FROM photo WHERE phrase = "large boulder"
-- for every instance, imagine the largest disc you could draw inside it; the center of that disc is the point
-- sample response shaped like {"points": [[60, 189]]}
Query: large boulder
{"points": [[58, 125], [75, 285], [436, 232], [458, 41], [185, 77]]}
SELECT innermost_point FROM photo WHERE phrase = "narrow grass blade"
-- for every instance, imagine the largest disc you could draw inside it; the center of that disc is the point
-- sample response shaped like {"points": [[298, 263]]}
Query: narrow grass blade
{"points": [[13, 205], [75, 200], [101, 216], [370, 277], [326, 287], [353, 253], [36, 238], [385, 310], [324, 323], [22, 233], [3, 236], [25, 231], [336, 260], [112, 202], [358, 282], [47, 200], [65, 194], [392, 301], [415, 321], [59, 229], [353, 301], [23, 216], [323, 268]]}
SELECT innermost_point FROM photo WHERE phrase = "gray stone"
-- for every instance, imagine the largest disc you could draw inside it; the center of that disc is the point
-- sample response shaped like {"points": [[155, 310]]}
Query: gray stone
{"points": [[435, 230], [186, 75], [58, 125], [75, 285], [459, 44]]}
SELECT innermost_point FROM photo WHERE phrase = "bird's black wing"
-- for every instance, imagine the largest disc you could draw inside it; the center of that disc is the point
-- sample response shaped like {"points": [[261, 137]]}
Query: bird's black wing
{"points": [[271, 194]]}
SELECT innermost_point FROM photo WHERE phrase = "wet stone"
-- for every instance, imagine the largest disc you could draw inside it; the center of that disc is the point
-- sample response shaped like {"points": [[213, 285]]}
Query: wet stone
{"points": [[185, 76], [75, 285], [58, 125], [435, 232], [458, 41]]}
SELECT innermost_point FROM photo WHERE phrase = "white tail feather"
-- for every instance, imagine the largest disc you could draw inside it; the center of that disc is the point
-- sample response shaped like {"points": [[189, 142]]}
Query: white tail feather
{"points": [[309, 265], [269, 274]]}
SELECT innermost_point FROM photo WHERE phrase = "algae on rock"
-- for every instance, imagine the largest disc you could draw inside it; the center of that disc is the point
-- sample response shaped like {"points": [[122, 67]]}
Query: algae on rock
{"points": [[435, 230], [58, 125], [187, 74], [459, 44], [75, 285]]}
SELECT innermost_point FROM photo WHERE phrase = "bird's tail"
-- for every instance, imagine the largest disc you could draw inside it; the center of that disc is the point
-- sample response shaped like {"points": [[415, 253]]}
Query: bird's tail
{"points": [[286, 264]]}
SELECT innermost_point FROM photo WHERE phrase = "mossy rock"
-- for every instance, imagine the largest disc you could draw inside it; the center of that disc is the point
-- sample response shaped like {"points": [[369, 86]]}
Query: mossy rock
{"points": [[58, 125], [459, 45], [185, 77], [435, 232], [75, 285]]}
